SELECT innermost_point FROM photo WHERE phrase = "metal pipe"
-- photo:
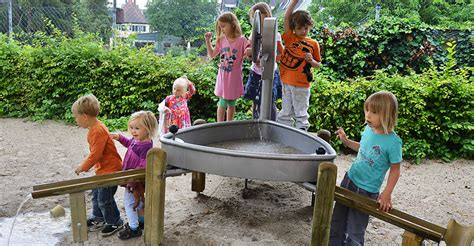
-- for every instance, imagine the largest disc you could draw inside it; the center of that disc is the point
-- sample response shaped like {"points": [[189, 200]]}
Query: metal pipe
{"points": [[10, 19], [268, 61]]}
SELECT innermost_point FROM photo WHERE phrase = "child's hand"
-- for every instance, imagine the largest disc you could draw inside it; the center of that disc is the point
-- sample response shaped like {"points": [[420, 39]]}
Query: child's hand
{"points": [[78, 169], [385, 201], [248, 53], [308, 57], [114, 136], [341, 134], [208, 36]]}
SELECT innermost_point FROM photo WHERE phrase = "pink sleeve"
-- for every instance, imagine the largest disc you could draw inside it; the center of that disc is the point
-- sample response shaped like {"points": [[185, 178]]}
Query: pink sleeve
{"points": [[218, 46]]}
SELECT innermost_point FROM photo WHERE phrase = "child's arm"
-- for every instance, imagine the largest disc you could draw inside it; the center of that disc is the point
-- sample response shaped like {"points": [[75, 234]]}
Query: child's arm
{"points": [[191, 90], [288, 13], [280, 50], [309, 58], [97, 146], [385, 198], [122, 139], [347, 142], [211, 51], [314, 59]]}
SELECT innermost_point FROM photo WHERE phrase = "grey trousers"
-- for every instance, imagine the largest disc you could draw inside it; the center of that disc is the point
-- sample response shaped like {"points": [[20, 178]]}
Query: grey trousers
{"points": [[294, 107], [348, 224]]}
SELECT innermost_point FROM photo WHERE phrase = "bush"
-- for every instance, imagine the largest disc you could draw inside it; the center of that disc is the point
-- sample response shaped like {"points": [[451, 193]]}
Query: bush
{"points": [[435, 110], [43, 79]]}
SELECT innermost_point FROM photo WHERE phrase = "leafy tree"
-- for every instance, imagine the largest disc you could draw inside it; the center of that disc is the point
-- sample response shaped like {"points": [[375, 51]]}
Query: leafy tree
{"points": [[434, 12], [181, 18], [93, 16]]}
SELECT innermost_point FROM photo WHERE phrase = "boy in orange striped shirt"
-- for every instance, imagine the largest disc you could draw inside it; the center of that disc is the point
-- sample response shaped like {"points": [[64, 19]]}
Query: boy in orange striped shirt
{"points": [[104, 158]]}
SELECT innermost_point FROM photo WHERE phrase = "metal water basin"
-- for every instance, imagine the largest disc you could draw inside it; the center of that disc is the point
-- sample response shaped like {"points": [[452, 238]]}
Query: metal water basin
{"points": [[253, 149]]}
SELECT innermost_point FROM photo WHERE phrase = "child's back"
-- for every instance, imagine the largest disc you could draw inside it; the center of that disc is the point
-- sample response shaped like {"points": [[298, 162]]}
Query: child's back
{"points": [[103, 153]]}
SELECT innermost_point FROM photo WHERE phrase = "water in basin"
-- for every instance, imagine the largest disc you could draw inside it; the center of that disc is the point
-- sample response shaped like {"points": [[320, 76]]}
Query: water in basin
{"points": [[256, 146]]}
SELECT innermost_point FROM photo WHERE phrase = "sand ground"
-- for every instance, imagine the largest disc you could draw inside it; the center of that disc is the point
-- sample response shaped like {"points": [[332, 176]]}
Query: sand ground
{"points": [[272, 213]]}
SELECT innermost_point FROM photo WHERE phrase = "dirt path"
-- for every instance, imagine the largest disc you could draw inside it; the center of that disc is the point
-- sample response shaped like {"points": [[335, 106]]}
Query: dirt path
{"points": [[33, 153]]}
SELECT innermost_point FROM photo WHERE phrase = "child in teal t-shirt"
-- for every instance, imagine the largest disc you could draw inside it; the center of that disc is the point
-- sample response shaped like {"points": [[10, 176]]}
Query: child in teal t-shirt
{"points": [[379, 150]]}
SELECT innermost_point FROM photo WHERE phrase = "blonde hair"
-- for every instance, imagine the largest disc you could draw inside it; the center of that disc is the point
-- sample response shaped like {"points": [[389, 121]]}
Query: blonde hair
{"points": [[182, 81], [385, 104], [264, 10], [228, 17], [147, 119], [300, 18], [87, 104]]}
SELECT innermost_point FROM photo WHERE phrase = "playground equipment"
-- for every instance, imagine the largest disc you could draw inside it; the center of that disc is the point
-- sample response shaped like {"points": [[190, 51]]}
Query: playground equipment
{"points": [[189, 149], [155, 175], [249, 149]]}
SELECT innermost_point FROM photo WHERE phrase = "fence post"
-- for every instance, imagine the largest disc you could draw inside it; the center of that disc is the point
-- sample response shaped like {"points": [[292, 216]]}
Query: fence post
{"points": [[77, 201], [155, 182], [10, 19], [322, 212]]}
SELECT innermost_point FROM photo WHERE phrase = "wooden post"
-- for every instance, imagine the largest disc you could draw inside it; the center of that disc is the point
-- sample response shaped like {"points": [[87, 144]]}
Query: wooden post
{"points": [[77, 202], [411, 239], [198, 181], [459, 235], [322, 212], [155, 182]]}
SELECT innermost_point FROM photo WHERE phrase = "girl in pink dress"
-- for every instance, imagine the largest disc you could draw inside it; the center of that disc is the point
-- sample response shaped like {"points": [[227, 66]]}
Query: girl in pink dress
{"points": [[174, 109], [230, 46]]}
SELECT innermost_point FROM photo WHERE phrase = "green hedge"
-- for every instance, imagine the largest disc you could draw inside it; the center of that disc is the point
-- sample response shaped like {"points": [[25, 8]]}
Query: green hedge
{"points": [[43, 79], [396, 44], [436, 110]]}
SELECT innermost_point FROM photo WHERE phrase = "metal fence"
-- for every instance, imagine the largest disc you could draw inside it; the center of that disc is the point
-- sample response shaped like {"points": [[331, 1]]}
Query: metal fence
{"points": [[30, 19], [27, 19]]}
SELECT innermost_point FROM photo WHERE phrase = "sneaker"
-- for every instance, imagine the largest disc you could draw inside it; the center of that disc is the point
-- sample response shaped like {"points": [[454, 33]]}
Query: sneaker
{"points": [[93, 225], [128, 233], [141, 225], [110, 230]]}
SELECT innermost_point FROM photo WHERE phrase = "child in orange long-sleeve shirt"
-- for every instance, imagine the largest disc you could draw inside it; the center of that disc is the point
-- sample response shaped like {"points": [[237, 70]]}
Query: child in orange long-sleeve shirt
{"points": [[104, 158]]}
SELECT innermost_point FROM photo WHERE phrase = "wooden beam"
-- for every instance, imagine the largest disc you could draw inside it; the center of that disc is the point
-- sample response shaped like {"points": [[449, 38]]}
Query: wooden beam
{"points": [[411, 239], [155, 196], [88, 183], [77, 202], [322, 212], [396, 217]]}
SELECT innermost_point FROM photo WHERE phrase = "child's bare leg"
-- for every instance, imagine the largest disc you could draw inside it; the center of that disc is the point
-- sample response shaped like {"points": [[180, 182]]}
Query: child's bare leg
{"points": [[230, 113], [220, 114]]}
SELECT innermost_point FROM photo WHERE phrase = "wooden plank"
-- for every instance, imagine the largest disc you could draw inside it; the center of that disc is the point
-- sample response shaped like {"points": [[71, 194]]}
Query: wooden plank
{"points": [[322, 212], [77, 202], [408, 222], [87, 179], [198, 181], [155, 197], [88, 183]]}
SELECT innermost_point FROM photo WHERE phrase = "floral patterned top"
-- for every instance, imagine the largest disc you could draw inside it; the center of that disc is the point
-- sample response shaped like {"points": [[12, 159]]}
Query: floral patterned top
{"points": [[178, 105]]}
